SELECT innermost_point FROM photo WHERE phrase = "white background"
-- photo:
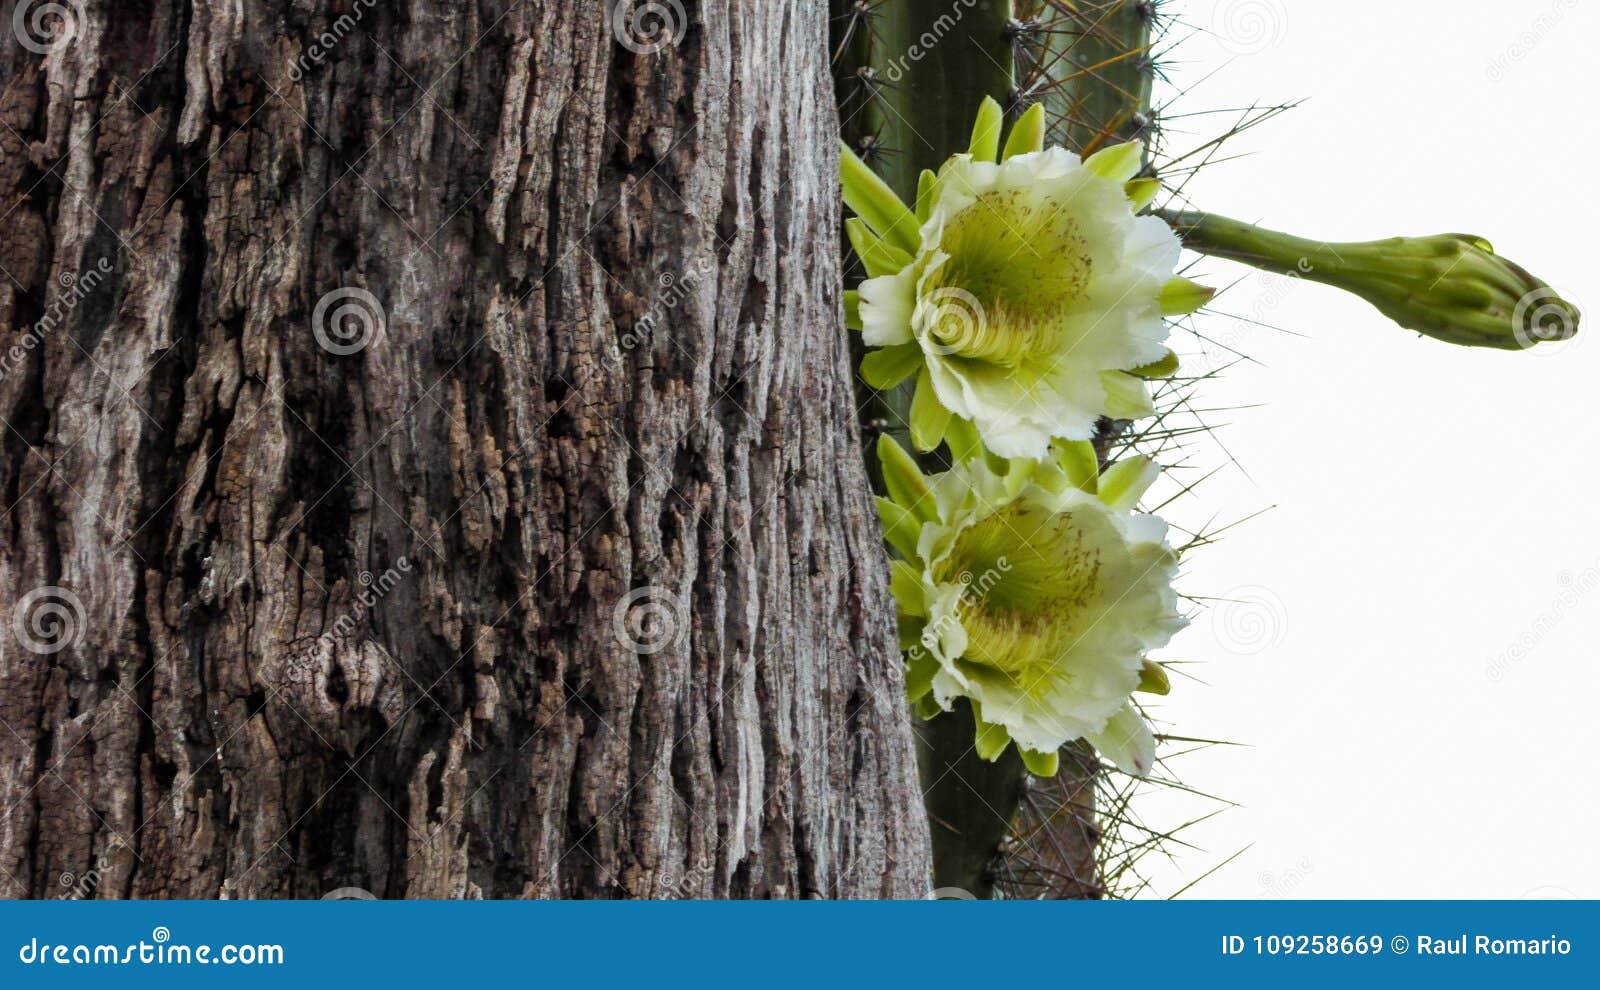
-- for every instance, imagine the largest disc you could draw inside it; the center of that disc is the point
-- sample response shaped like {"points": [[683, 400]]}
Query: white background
{"points": [[1435, 516]]}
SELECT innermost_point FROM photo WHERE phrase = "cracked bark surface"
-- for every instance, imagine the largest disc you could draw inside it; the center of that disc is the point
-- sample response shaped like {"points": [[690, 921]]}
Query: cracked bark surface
{"points": [[351, 619]]}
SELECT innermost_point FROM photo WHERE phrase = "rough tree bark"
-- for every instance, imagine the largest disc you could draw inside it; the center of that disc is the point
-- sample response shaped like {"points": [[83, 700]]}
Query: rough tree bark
{"points": [[349, 611]]}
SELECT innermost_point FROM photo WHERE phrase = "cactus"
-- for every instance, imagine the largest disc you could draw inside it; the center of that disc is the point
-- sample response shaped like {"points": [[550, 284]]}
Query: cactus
{"points": [[909, 75], [904, 107], [1092, 67], [1078, 75]]}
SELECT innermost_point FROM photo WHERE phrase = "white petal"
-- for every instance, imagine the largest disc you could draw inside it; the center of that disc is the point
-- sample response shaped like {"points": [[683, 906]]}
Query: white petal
{"points": [[886, 306], [1127, 742]]}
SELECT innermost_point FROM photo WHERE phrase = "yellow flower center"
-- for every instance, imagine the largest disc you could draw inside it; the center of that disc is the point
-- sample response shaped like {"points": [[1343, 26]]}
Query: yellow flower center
{"points": [[1033, 585], [1018, 261]]}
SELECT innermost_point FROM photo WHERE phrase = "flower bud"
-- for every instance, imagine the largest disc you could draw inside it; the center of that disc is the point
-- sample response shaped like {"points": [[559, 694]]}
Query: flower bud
{"points": [[1451, 287]]}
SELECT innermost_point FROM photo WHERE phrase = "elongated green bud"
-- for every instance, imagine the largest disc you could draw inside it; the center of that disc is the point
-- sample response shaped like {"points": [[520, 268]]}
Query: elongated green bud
{"points": [[1451, 287]]}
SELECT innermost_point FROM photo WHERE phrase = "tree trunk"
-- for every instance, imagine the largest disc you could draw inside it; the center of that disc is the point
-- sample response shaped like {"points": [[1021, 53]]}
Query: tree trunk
{"points": [[429, 462]]}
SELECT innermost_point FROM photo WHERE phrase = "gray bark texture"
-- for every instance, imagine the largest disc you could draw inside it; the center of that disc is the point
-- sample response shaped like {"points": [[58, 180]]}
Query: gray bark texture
{"points": [[552, 572]]}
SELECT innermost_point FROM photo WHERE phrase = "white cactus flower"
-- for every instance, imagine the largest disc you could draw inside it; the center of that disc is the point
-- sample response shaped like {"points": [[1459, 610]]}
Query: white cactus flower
{"points": [[1036, 598], [1029, 300]]}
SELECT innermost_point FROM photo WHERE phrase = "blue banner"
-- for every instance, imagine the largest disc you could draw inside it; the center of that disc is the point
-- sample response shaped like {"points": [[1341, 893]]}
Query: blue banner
{"points": [[812, 944]]}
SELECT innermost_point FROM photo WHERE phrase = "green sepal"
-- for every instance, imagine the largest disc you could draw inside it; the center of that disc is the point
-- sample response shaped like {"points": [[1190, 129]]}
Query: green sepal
{"points": [[927, 186], [852, 309], [999, 465], [901, 527], [909, 628], [1164, 368], [926, 707], [1180, 296], [985, 144], [887, 367], [1153, 679], [1018, 474], [1027, 134], [1125, 482], [1120, 162], [929, 417], [962, 437], [871, 199], [1041, 764], [1047, 474], [904, 481], [906, 586], [876, 254], [990, 739], [1141, 192], [1126, 396], [921, 666], [1079, 463]]}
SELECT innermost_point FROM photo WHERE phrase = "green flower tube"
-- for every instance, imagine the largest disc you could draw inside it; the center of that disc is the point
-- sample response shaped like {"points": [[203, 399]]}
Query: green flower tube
{"points": [[1451, 287]]}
